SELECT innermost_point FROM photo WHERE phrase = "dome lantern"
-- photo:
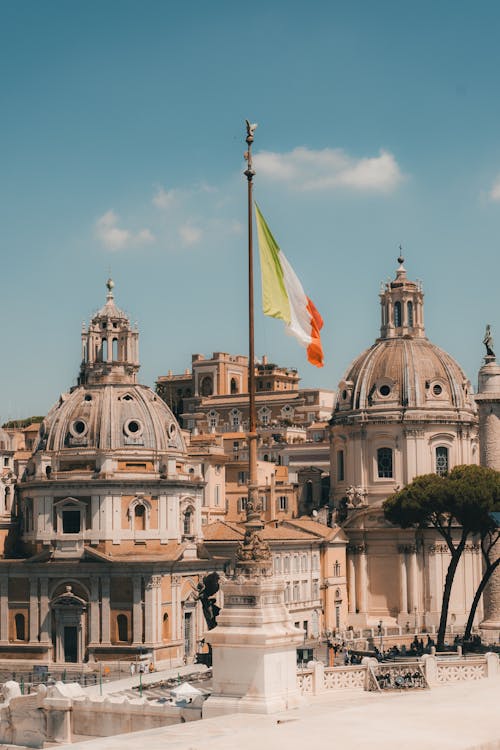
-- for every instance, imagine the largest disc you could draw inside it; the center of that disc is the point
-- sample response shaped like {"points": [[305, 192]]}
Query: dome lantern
{"points": [[401, 307], [110, 346]]}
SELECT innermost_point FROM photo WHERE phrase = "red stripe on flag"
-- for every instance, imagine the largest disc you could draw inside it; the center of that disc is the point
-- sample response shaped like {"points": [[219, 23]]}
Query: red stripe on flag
{"points": [[315, 350]]}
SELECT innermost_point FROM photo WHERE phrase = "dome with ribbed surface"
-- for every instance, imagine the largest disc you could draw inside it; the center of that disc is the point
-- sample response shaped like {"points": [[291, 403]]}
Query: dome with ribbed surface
{"points": [[405, 373], [108, 410], [403, 370], [110, 417]]}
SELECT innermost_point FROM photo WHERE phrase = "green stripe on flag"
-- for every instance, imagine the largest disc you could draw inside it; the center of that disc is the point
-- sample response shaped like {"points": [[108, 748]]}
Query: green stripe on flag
{"points": [[274, 294]]}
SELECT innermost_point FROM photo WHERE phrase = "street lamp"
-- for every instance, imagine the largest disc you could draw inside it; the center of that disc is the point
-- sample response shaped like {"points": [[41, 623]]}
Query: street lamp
{"points": [[381, 636]]}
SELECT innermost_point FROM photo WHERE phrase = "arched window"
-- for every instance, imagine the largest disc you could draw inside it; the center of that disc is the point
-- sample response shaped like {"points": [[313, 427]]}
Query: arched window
{"points": [[384, 463], [20, 623], [187, 522], [234, 385], [397, 314], [165, 627], [441, 460], [140, 517], [122, 628], [410, 314], [104, 350], [115, 350]]}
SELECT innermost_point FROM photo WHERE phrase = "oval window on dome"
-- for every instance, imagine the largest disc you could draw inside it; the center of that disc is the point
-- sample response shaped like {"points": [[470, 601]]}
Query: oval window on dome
{"points": [[172, 429], [78, 428], [133, 428], [384, 390], [344, 395], [437, 389]]}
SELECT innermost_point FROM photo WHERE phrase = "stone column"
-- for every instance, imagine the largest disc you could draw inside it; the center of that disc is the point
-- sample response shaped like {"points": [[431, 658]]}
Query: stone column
{"points": [[363, 579], [94, 610], [352, 581], [45, 618], [33, 610], [150, 609], [413, 579], [403, 582], [4, 608], [137, 610], [491, 596], [488, 403], [105, 611], [176, 580]]}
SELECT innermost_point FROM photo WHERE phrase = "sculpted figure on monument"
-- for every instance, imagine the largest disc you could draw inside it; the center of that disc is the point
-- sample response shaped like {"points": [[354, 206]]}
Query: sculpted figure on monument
{"points": [[488, 342]]}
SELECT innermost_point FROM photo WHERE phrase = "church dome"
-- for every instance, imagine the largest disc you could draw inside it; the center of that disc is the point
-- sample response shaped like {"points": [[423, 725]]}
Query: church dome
{"points": [[403, 370], [108, 410], [111, 417]]}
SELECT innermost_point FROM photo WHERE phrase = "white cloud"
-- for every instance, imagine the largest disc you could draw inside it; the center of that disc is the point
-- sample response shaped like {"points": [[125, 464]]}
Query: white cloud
{"points": [[115, 238], [189, 234], [306, 170], [165, 198], [494, 194]]}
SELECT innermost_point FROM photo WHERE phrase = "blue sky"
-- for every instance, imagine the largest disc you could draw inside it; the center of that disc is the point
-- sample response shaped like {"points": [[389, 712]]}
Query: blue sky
{"points": [[121, 145]]}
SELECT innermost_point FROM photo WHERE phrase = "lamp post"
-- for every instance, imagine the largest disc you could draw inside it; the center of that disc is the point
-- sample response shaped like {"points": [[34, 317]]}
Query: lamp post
{"points": [[381, 645]]}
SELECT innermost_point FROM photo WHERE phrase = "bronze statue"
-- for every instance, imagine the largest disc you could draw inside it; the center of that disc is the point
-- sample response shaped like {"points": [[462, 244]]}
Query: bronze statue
{"points": [[488, 342]]}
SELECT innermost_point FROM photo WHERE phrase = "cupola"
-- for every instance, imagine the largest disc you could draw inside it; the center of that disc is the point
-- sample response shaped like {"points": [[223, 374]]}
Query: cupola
{"points": [[401, 306], [110, 347]]}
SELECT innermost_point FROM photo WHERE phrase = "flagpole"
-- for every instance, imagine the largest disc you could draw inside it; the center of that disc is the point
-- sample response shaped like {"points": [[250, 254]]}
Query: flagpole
{"points": [[253, 509], [253, 554]]}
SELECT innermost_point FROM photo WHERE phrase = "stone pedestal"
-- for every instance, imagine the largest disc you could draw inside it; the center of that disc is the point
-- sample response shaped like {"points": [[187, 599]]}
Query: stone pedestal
{"points": [[254, 650]]}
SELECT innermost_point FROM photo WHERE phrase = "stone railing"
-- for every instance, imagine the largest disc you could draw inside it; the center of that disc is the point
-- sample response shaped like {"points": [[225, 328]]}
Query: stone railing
{"points": [[371, 675], [321, 679], [448, 670]]}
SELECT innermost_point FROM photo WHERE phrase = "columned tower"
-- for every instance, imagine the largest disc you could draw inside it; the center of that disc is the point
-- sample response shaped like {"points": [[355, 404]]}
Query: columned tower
{"points": [[488, 404], [110, 346]]}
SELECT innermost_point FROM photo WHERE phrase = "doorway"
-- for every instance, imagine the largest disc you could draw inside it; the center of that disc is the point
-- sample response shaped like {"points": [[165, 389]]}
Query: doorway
{"points": [[71, 643]]}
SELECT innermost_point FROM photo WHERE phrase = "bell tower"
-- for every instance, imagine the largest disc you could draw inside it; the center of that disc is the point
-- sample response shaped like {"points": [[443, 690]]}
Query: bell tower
{"points": [[110, 346], [402, 307]]}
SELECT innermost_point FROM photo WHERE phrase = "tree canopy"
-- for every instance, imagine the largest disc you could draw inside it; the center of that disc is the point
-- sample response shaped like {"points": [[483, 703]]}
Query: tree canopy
{"points": [[457, 505]]}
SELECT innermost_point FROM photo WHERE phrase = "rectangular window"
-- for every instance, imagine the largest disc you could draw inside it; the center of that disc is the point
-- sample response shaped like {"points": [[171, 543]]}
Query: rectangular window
{"points": [[287, 564], [282, 503], [296, 591], [263, 500], [242, 477], [340, 466], [217, 495], [242, 504], [315, 589], [71, 521]]}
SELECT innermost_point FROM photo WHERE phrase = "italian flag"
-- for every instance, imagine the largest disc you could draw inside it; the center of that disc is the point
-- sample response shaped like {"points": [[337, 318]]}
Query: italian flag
{"points": [[283, 296]]}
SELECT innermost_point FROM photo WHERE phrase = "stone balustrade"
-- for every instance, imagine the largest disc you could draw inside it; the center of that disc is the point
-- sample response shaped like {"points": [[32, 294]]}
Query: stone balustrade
{"points": [[318, 679]]}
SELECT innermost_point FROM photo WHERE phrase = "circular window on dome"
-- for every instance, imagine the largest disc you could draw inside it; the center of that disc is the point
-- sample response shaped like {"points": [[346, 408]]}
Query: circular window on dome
{"points": [[384, 390], [87, 397], [437, 389], [133, 428], [172, 429], [78, 428]]}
